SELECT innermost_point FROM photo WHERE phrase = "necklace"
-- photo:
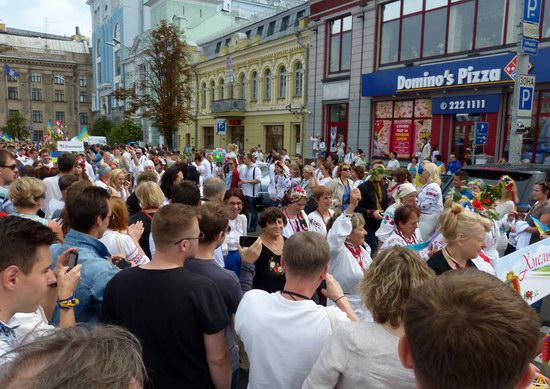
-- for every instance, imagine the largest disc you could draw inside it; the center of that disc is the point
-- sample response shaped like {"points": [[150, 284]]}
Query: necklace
{"points": [[411, 240], [298, 224], [356, 252], [323, 217], [292, 294]]}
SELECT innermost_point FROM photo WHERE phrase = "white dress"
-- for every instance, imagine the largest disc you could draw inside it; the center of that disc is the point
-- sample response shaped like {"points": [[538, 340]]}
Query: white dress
{"points": [[348, 270]]}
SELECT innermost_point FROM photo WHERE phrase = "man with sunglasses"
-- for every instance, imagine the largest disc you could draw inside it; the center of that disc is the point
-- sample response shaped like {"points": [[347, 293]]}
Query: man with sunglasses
{"points": [[8, 173], [178, 316]]}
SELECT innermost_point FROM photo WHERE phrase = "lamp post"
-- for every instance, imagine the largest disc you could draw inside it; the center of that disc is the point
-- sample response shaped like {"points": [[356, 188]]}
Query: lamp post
{"points": [[77, 99]]}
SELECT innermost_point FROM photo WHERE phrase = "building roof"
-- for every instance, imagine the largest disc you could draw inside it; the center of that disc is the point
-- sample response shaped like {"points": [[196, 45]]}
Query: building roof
{"points": [[40, 42]]}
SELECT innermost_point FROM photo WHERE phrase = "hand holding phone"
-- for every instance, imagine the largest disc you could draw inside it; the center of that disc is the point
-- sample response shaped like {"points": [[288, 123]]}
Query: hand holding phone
{"points": [[73, 259]]}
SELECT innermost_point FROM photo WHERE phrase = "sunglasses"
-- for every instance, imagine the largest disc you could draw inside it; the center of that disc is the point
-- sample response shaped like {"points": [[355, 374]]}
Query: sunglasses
{"points": [[345, 169], [12, 167]]}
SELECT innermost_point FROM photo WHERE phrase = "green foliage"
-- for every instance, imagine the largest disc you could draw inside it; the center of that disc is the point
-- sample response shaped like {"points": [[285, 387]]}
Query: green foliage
{"points": [[101, 127], [16, 126], [126, 130]]}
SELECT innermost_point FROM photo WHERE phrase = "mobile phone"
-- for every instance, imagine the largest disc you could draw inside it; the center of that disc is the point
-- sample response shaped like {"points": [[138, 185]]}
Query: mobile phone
{"points": [[247, 241], [73, 259]]}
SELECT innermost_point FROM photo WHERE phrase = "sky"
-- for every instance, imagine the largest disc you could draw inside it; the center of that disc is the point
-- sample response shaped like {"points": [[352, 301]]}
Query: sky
{"points": [[61, 15]]}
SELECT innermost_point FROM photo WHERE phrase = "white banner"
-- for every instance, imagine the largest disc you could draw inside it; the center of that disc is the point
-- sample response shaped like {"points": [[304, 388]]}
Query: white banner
{"points": [[527, 271], [70, 145]]}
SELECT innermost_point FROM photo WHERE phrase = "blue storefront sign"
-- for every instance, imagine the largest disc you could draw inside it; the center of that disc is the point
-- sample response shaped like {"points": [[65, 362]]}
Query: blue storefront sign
{"points": [[465, 104], [477, 72]]}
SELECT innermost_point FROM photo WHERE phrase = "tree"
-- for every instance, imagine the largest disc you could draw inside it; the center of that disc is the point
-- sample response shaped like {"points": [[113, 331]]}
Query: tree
{"points": [[125, 131], [101, 126], [164, 94], [16, 126]]}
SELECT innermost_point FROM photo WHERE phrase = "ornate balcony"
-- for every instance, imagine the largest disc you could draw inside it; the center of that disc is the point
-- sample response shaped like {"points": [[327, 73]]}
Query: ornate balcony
{"points": [[228, 105]]}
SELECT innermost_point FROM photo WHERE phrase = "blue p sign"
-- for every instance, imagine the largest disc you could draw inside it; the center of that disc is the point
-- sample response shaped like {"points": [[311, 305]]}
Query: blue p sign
{"points": [[531, 11], [525, 98]]}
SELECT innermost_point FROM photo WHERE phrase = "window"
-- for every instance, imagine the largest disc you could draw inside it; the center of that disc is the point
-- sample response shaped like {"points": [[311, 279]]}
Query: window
{"points": [[227, 41], [204, 92], [83, 97], [401, 117], [37, 116], [12, 112], [268, 80], [298, 80], [13, 93], [270, 28], [83, 81], [60, 116], [221, 92], [241, 87], [36, 94], [218, 46], [248, 34], [208, 133], [11, 78], [117, 63], [183, 10], [415, 29], [299, 15], [340, 44], [273, 137], [58, 79], [212, 92], [38, 135], [36, 77], [59, 95], [97, 50], [232, 90], [284, 23], [99, 73], [282, 82], [254, 92], [83, 118], [260, 30]]}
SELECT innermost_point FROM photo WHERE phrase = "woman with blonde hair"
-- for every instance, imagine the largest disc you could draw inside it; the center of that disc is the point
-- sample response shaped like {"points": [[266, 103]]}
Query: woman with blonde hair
{"points": [[341, 187], [150, 198], [119, 184], [123, 239], [27, 195], [364, 354], [430, 200], [464, 231]]}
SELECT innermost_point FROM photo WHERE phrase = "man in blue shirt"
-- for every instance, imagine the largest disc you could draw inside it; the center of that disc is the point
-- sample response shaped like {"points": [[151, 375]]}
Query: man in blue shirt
{"points": [[454, 165], [88, 213]]}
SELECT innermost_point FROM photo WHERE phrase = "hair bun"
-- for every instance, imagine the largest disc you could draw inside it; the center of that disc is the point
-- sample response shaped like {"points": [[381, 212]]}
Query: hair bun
{"points": [[457, 209]]}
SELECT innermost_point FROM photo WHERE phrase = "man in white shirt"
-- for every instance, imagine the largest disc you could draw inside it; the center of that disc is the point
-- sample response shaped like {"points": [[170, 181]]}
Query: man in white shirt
{"points": [[66, 163], [207, 166], [288, 327], [250, 185], [45, 158]]}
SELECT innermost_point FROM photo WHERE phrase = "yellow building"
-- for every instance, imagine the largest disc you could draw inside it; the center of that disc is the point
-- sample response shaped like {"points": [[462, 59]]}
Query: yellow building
{"points": [[253, 80]]}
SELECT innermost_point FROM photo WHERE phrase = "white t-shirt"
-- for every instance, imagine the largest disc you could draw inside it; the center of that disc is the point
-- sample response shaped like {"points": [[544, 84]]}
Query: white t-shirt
{"points": [[52, 191], [393, 164], [54, 206], [282, 338]]}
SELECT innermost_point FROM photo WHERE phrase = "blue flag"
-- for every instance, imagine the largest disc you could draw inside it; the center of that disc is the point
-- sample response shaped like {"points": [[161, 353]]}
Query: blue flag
{"points": [[11, 72]]}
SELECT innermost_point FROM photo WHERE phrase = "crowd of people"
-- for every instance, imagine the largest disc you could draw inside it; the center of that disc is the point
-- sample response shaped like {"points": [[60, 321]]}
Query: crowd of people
{"points": [[129, 267]]}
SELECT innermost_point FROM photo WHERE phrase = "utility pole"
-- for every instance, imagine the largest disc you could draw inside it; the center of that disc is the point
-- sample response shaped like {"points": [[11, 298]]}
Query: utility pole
{"points": [[524, 84]]}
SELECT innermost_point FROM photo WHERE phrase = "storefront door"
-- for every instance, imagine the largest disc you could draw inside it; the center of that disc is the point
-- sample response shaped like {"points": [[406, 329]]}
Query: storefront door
{"points": [[237, 136], [463, 137], [337, 125]]}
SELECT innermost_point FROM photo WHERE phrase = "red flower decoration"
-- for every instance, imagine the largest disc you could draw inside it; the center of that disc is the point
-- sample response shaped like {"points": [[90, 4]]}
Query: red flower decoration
{"points": [[478, 205], [3, 214], [487, 201]]}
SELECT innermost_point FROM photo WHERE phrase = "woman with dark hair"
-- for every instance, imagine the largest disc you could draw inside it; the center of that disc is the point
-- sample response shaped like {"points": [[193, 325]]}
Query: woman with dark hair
{"points": [[293, 203], [235, 206], [399, 177], [171, 177], [266, 252], [541, 209], [80, 170], [232, 177], [405, 231], [358, 175]]}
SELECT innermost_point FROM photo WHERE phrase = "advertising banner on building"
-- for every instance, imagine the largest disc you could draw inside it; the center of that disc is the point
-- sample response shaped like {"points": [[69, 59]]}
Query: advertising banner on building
{"points": [[402, 137], [382, 136], [527, 271]]}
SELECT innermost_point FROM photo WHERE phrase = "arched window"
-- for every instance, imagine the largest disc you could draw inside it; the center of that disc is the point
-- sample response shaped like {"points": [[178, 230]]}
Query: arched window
{"points": [[298, 80], [221, 92], [254, 93], [282, 82], [204, 92], [241, 87], [97, 49], [268, 80], [116, 33], [212, 92]]}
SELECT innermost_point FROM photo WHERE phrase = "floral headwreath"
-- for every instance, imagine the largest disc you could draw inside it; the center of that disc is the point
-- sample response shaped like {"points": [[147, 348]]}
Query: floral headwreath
{"points": [[482, 202], [377, 174], [294, 195]]}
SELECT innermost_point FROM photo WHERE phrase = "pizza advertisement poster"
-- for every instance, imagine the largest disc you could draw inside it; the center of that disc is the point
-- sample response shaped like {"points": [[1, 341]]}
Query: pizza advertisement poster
{"points": [[402, 137], [527, 271], [382, 137], [423, 129]]}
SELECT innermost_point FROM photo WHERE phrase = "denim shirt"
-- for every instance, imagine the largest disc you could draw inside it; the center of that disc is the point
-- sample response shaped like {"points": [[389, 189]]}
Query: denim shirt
{"points": [[97, 271]]}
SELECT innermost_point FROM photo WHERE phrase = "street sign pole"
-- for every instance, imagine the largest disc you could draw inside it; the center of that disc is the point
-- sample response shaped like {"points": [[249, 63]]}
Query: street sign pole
{"points": [[531, 19]]}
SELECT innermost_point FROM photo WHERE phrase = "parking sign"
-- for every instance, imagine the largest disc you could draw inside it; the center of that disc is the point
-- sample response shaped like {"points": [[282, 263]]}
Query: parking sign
{"points": [[531, 11], [525, 95], [482, 132]]}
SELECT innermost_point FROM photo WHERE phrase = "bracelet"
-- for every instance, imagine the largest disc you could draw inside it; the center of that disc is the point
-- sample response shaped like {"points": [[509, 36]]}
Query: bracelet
{"points": [[68, 303], [341, 297]]}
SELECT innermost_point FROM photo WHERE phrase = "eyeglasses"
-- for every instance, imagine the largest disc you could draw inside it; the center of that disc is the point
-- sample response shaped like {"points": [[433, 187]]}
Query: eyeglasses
{"points": [[12, 167], [110, 217], [345, 169], [201, 236], [228, 230]]}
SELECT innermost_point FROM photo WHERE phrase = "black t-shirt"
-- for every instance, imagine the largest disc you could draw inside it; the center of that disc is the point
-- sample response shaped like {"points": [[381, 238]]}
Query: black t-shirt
{"points": [[169, 311], [144, 240], [133, 204], [269, 272], [439, 264]]}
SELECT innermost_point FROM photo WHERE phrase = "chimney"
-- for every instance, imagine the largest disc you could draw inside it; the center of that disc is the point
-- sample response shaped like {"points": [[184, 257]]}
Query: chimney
{"points": [[77, 30]]}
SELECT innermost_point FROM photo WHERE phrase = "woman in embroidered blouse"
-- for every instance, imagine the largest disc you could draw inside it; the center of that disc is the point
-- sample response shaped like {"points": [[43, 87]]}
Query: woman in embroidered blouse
{"points": [[341, 187], [235, 206], [266, 252], [405, 232], [319, 218], [119, 184], [430, 199], [349, 255], [464, 232], [294, 202], [405, 195], [362, 354], [280, 183]]}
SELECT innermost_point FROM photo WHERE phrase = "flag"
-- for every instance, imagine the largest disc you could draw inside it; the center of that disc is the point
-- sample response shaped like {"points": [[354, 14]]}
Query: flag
{"points": [[543, 228], [83, 134], [49, 128], [11, 72], [418, 246], [6, 137]]}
